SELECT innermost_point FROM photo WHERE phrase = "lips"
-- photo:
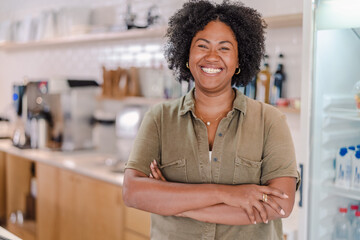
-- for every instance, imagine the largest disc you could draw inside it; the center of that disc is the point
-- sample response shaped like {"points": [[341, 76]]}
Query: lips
{"points": [[211, 70]]}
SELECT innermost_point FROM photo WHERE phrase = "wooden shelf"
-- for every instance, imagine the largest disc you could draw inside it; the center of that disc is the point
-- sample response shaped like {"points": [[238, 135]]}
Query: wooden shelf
{"points": [[26, 231], [283, 21], [288, 110], [290, 20], [158, 32], [135, 100]]}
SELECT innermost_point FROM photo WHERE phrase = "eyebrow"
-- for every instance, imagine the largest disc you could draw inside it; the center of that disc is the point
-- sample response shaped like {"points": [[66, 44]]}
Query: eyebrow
{"points": [[207, 41]]}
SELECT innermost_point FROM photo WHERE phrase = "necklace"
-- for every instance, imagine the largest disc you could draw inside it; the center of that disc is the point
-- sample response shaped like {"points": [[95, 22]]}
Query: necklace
{"points": [[208, 123]]}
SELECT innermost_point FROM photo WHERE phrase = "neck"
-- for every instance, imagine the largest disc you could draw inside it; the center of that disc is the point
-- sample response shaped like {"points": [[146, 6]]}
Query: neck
{"points": [[213, 104]]}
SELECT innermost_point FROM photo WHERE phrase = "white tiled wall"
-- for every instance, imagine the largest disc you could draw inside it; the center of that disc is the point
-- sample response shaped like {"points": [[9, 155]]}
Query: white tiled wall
{"points": [[85, 60]]}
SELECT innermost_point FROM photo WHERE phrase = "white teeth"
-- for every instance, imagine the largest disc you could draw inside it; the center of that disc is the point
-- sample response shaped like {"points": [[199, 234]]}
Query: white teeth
{"points": [[211, 70]]}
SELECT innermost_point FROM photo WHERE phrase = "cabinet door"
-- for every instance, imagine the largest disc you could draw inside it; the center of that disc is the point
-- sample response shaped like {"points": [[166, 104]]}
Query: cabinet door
{"points": [[137, 221], [47, 203], [82, 207], [129, 235], [2, 188]]}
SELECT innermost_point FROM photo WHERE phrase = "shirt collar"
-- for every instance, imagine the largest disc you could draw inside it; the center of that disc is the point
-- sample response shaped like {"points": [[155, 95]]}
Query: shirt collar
{"points": [[188, 102]]}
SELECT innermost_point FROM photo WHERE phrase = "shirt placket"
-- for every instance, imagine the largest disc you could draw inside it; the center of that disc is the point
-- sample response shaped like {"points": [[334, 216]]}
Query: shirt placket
{"points": [[203, 151], [218, 147]]}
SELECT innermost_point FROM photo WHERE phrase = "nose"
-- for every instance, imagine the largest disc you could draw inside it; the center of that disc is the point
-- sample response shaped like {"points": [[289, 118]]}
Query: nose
{"points": [[212, 55]]}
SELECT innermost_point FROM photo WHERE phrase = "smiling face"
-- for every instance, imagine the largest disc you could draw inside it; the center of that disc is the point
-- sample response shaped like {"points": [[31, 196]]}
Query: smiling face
{"points": [[213, 57]]}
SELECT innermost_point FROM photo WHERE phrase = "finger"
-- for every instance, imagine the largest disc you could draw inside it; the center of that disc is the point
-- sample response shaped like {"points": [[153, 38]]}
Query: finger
{"points": [[274, 191], [153, 171], [159, 174], [156, 167], [151, 176], [274, 205], [259, 206], [251, 215]]}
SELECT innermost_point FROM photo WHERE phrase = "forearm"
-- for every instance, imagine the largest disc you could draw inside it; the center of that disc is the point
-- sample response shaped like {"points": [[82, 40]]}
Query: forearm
{"points": [[220, 214], [166, 198], [225, 214]]}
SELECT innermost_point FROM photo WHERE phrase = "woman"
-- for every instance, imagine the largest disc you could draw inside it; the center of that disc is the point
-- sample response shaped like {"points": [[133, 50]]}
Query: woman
{"points": [[226, 162]]}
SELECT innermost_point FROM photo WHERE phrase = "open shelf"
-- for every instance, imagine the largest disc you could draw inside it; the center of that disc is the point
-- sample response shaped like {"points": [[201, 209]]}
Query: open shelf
{"points": [[289, 110], [281, 21], [96, 37]]}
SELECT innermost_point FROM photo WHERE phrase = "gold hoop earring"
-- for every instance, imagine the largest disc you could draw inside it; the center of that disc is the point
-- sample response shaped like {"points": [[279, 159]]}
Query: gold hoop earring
{"points": [[187, 65], [238, 71]]}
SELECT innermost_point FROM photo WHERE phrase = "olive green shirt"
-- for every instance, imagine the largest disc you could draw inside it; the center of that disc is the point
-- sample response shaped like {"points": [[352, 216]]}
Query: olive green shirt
{"points": [[252, 146]]}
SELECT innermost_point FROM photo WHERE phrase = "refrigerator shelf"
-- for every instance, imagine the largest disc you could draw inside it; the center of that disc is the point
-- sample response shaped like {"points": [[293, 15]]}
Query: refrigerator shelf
{"points": [[344, 113], [351, 193]]}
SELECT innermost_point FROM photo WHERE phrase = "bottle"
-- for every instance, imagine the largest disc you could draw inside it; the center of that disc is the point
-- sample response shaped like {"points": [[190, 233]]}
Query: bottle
{"points": [[263, 82], [356, 92], [352, 210], [356, 226], [278, 78], [342, 230], [343, 161], [250, 89], [355, 175]]}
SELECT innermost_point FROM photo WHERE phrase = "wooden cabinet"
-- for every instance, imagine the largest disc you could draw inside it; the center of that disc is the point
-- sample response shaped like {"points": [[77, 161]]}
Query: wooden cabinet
{"points": [[72, 206], [69, 206], [2, 188], [18, 176], [137, 224]]}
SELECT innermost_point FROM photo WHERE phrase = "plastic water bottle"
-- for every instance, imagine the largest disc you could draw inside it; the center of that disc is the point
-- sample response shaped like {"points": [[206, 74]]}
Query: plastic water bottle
{"points": [[343, 168], [355, 175], [356, 227], [343, 228], [352, 210]]}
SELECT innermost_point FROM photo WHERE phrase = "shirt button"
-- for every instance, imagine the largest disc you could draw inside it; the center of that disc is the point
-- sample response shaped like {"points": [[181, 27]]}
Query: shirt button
{"points": [[220, 134], [215, 159]]}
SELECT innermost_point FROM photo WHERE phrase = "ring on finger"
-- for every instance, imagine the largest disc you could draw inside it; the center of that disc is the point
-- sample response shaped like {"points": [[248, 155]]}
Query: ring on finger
{"points": [[264, 197]]}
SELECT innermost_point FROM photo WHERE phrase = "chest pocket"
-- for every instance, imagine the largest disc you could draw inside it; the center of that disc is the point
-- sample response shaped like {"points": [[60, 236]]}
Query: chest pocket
{"points": [[175, 171], [246, 171]]}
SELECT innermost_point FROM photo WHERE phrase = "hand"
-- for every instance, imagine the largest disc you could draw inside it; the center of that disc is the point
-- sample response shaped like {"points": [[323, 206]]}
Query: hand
{"points": [[250, 197], [155, 172]]}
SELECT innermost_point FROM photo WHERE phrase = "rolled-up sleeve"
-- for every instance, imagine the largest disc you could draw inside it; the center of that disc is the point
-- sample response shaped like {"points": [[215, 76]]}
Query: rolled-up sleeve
{"points": [[279, 153], [146, 146]]}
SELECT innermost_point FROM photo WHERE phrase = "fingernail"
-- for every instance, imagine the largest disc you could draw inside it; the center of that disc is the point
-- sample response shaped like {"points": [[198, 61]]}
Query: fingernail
{"points": [[254, 222], [282, 212], [155, 163], [151, 165], [285, 196], [266, 221]]}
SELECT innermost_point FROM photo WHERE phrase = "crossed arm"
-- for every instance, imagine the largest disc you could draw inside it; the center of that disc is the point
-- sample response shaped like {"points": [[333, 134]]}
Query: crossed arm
{"points": [[223, 204]]}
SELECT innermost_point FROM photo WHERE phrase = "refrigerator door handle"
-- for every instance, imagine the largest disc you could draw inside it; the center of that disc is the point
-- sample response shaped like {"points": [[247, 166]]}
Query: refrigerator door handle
{"points": [[301, 184]]}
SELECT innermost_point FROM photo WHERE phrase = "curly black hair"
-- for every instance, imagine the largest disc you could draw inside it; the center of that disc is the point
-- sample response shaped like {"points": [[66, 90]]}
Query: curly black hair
{"points": [[245, 22]]}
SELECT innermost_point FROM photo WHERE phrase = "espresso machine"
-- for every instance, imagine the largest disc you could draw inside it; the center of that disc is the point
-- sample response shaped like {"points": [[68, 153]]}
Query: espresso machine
{"points": [[58, 114]]}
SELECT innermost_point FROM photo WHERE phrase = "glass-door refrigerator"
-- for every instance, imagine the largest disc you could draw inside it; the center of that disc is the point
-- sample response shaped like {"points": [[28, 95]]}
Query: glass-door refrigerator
{"points": [[330, 119]]}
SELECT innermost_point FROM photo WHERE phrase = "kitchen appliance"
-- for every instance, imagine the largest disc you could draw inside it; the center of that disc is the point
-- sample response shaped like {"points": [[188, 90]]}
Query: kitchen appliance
{"points": [[329, 119], [19, 137], [59, 113], [128, 121]]}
